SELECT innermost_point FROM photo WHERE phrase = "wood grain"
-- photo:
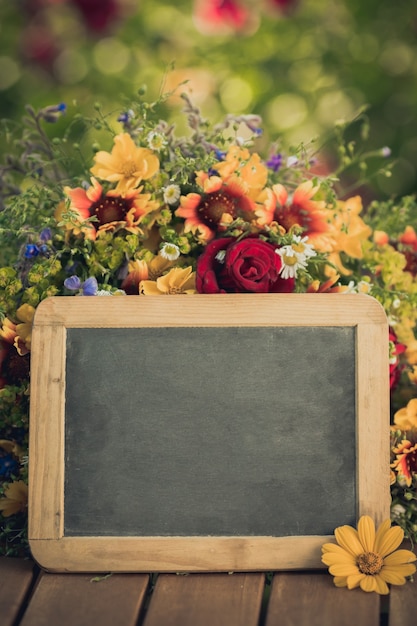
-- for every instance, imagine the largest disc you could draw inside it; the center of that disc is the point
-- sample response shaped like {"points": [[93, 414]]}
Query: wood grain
{"points": [[206, 600], [403, 605], [16, 577], [299, 598], [76, 600]]}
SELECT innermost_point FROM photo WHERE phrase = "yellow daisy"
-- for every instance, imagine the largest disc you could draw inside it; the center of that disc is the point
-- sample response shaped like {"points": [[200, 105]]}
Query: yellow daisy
{"points": [[127, 164], [177, 281], [368, 559]]}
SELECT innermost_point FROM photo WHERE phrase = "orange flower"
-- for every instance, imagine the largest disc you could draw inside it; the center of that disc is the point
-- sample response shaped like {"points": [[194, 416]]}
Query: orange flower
{"points": [[298, 210], [205, 214], [228, 192], [329, 286], [113, 209], [405, 463], [127, 164], [409, 237], [380, 237]]}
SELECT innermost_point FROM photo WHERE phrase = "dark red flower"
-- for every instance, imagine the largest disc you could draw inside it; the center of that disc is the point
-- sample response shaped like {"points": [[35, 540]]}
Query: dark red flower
{"points": [[395, 366], [14, 369], [249, 265], [99, 15]]}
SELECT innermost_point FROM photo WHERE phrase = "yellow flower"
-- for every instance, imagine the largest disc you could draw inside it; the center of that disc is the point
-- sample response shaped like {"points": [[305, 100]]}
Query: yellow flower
{"points": [[8, 331], [368, 559], [15, 498], [140, 270], [11, 447], [24, 314], [406, 418], [126, 164], [350, 231], [177, 281], [240, 164]]}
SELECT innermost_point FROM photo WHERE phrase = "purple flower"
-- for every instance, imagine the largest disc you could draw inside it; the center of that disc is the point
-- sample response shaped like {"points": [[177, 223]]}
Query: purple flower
{"points": [[88, 288], [274, 162], [73, 283], [46, 235]]}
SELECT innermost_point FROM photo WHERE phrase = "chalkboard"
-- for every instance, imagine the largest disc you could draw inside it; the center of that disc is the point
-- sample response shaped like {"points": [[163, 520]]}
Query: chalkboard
{"points": [[205, 433]]}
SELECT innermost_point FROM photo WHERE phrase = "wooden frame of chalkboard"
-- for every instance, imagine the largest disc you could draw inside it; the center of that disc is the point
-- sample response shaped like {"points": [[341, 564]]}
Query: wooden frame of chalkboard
{"points": [[205, 433]]}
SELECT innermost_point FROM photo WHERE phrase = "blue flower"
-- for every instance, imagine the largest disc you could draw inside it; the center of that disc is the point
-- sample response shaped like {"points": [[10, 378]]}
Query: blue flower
{"points": [[31, 251], [52, 113], [8, 465], [220, 154], [88, 288]]}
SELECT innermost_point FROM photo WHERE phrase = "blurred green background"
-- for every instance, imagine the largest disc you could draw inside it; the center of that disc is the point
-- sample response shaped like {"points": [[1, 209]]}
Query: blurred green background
{"points": [[302, 65]]}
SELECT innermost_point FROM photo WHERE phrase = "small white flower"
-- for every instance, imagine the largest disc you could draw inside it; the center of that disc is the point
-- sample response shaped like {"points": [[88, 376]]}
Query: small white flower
{"points": [[392, 321], [156, 141], [220, 256], [397, 511], [172, 194], [364, 286], [292, 160], [361, 287], [396, 303], [295, 256], [103, 292], [289, 264], [170, 251]]}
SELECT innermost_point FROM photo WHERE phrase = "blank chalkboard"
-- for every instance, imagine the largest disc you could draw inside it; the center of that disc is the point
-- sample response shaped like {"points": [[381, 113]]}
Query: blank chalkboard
{"points": [[209, 433]]}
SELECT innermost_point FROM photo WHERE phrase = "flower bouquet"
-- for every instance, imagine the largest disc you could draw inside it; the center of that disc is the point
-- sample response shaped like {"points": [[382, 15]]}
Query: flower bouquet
{"points": [[119, 204]]}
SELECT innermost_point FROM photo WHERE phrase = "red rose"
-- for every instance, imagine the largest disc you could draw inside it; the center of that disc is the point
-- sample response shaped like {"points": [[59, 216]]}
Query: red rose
{"points": [[250, 265]]}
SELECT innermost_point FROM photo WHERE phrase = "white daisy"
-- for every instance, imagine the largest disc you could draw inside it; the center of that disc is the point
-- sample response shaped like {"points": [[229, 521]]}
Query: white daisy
{"points": [[294, 256], [156, 141], [172, 194], [170, 251]]}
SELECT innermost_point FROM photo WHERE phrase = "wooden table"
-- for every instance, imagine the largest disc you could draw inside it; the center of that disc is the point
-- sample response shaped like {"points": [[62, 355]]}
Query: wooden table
{"points": [[30, 597]]}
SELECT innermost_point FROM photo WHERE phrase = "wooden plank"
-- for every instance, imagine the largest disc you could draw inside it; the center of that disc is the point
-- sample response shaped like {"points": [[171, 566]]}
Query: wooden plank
{"points": [[300, 598], [206, 600], [403, 605], [79, 600], [16, 577]]}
